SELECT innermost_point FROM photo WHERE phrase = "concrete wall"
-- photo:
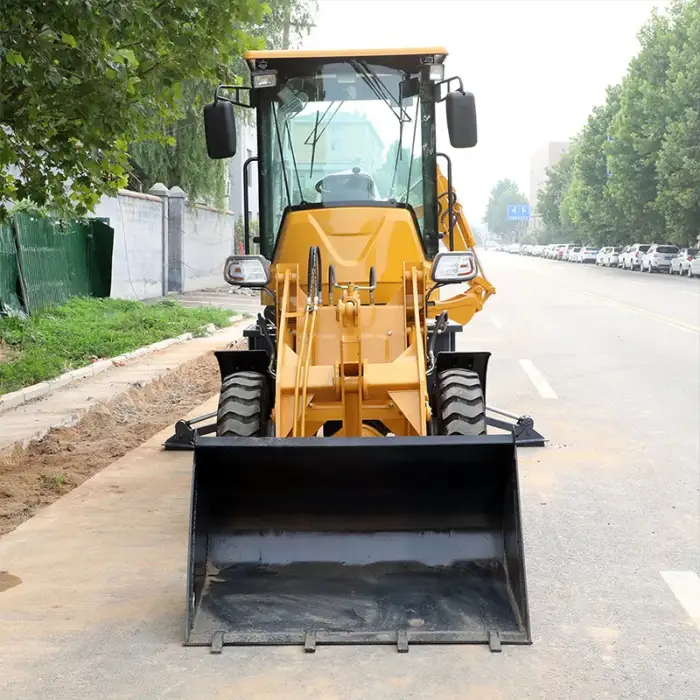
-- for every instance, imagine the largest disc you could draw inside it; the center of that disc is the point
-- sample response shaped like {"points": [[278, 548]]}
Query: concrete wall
{"points": [[137, 264], [247, 147], [207, 240], [161, 244]]}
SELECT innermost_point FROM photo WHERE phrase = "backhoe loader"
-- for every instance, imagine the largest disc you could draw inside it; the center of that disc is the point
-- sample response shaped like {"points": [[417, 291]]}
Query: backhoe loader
{"points": [[351, 493]]}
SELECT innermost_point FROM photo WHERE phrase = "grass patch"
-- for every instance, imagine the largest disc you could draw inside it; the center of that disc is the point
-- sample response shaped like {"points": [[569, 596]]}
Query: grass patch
{"points": [[82, 330]]}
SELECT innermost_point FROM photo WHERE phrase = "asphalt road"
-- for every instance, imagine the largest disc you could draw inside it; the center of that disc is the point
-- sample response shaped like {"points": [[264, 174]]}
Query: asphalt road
{"points": [[607, 362]]}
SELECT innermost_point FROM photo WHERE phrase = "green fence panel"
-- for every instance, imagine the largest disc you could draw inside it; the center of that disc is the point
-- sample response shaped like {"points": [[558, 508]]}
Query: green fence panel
{"points": [[43, 262], [59, 261], [9, 271]]}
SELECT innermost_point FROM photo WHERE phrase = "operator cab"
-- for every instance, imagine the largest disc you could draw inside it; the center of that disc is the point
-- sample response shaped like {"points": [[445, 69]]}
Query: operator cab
{"points": [[344, 129]]}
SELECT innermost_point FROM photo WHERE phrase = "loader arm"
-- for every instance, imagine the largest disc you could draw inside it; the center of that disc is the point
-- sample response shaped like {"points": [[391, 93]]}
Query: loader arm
{"points": [[464, 305]]}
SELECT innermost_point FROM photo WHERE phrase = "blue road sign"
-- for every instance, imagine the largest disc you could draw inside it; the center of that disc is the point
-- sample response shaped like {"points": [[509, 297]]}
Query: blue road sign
{"points": [[518, 212]]}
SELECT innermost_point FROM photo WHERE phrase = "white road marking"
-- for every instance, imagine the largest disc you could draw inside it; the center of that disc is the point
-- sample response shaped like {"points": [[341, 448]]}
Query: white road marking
{"points": [[691, 294], [496, 322], [685, 585], [642, 312], [541, 384]]}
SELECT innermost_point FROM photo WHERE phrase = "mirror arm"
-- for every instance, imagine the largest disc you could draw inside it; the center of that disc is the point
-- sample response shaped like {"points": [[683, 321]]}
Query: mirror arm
{"points": [[447, 82], [237, 98]]}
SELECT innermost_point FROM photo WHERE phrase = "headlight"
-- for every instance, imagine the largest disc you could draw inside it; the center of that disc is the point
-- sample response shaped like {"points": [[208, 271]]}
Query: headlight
{"points": [[247, 270], [264, 79], [454, 267]]}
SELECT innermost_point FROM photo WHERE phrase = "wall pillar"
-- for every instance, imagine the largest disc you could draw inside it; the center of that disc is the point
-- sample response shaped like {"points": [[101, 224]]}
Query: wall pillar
{"points": [[176, 225], [160, 190]]}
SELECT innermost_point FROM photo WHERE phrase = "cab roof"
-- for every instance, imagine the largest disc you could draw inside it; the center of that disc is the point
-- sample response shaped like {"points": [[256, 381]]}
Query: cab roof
{"points": [[342, 53]]}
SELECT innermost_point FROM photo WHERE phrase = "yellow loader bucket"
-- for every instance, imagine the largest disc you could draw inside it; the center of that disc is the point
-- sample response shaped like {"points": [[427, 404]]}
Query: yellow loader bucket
{"points": [[395, 540]]}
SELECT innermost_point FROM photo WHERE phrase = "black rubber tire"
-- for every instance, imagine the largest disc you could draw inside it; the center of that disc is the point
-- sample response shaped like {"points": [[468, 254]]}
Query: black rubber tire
{"points": [[460, 403], [244, 405]]}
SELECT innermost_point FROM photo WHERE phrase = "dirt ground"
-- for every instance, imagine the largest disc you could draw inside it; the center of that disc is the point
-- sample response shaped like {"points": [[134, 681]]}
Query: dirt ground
{"points": [[47, 469]]}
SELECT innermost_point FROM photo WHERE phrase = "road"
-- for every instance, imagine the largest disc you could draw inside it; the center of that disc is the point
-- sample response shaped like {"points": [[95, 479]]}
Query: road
{"points": [[607, 362]]}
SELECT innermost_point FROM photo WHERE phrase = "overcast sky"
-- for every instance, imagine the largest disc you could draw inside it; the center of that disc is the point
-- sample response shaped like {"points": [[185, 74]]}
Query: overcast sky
{"points": [[536, 67]]}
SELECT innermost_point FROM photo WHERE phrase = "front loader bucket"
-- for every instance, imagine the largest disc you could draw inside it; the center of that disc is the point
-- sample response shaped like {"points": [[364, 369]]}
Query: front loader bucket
{"points": [[392, 540]]}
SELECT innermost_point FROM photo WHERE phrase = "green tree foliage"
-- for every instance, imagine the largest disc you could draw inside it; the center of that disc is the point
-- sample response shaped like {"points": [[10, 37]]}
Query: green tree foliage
{"points": [[178, 156], [504, 193], [550, 198], [81, 81], [632, 173]]}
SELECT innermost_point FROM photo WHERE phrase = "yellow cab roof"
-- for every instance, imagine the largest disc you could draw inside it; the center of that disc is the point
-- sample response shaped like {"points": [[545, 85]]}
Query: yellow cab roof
{"points": [[340, 53]]}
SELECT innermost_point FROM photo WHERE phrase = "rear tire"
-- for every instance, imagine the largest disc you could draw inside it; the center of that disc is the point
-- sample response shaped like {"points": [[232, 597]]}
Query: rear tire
{"points": [[244, 405], [460, 403]]}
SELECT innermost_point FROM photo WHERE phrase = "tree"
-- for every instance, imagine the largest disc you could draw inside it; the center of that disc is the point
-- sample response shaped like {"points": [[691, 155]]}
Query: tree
{"points": [[178, 156], [549, 199], [640, 125], [678, 161], [504, 193], [83, 80], [589, 204]]}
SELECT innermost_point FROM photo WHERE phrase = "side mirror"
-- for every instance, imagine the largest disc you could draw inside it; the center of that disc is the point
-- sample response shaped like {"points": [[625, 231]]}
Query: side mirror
{"points": [[220, 129], [461, 119]]}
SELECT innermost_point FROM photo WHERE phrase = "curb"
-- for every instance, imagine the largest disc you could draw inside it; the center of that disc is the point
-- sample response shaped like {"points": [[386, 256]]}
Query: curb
{"points": [[43, 389]]}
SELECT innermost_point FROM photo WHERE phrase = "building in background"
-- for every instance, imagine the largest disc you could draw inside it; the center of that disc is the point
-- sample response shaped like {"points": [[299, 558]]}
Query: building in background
{"points": [[545, 158], [247, 147]]}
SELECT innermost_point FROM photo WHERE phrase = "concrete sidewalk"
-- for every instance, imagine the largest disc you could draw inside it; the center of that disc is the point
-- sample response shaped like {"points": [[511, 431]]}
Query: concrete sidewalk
{"points": [[65, 407]]}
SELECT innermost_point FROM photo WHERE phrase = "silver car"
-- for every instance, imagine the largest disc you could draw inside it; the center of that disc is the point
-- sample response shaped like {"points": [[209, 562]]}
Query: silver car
{"points": [[680, 264], [658, 258]]}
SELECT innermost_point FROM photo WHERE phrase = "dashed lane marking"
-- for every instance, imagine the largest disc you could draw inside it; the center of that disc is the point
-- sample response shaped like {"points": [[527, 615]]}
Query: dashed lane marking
{"points": [[536, 377], [685, 585]]}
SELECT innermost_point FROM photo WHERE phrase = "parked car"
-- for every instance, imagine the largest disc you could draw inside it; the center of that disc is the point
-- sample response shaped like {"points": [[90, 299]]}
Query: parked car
{"points": [[561, 251], [612, 258], [537, 250], [587, 254], [572, 253], [602, 255], [658, 258], [621, 256], [694, 268], [632, 258], [680, 263]]}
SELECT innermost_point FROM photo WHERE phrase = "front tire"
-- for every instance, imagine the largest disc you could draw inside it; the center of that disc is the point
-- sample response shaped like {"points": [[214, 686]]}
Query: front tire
{"points": [[244, 405], [460, 405]]}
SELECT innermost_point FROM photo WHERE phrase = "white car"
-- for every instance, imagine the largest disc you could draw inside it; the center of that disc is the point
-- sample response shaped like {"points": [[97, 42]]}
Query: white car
{"points": [[571, 255], [602, 254], [658, 258], [612, 258], [631, 258], [587, 255], [694, 268], [681, 262]]}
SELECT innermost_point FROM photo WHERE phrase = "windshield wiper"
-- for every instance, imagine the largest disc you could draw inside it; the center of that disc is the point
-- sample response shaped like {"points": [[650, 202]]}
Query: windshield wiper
{"points": [[380, 90], [316, 134]]}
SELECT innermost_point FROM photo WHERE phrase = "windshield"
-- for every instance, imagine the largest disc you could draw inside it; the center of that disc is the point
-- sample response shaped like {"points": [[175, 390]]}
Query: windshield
{"points": [[667, 249], [350, 133]]}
